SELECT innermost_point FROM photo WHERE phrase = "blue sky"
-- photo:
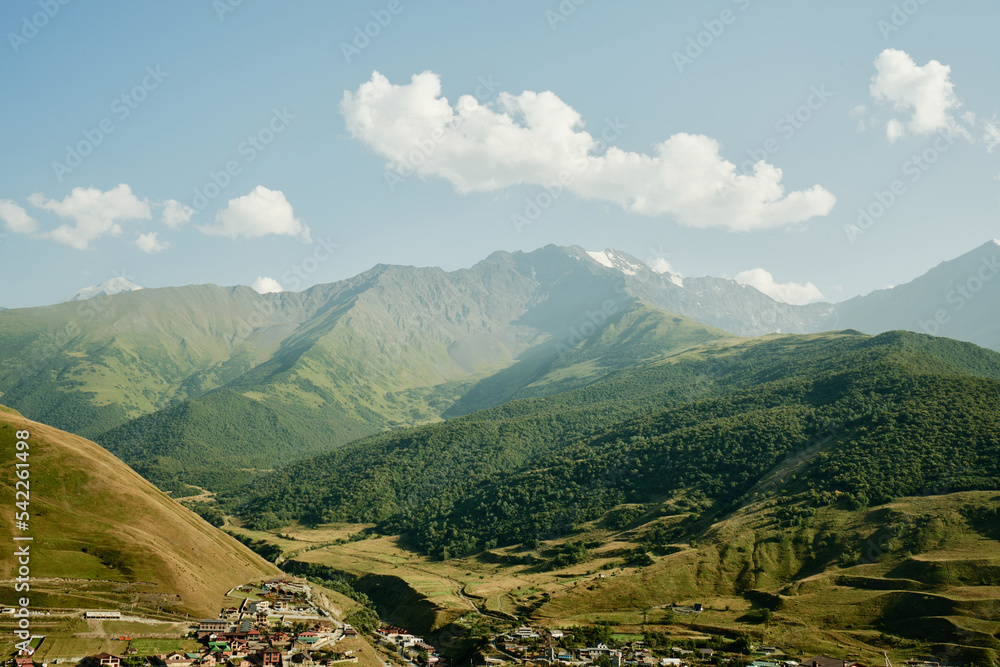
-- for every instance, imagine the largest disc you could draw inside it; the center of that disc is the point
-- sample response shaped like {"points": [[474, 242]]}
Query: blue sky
{"points": [[653, 136]]}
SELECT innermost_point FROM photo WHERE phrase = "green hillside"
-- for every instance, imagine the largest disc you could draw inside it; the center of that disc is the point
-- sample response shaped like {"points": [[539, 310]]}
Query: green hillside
{"points": [[881, 418], [208, 385], [94, 520]]}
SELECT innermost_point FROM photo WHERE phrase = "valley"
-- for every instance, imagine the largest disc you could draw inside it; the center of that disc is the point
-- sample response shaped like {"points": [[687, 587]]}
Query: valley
{"points": [[559, 439]]}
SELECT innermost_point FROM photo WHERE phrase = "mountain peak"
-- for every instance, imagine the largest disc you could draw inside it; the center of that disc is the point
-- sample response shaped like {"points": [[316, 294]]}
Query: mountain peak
{"points": [[116, 285], [615, 259]]}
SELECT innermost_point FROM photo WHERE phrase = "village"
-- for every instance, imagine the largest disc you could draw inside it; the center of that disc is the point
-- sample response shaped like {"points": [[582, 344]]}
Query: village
{"points": [[278, 624]]}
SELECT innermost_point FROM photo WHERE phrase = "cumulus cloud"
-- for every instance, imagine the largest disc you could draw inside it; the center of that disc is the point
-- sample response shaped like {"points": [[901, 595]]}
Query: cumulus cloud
{"points": [[924, 95], [257, 214], [660, 265], [536, 138], [792, 293], [93, 213], [175, 214], [150, 243], [16, 218], [265, 285]]}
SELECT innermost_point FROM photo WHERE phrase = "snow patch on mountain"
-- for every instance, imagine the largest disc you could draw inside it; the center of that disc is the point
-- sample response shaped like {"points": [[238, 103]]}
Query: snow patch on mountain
{"points": [[601, 258], [116, 285], [617, 261]]}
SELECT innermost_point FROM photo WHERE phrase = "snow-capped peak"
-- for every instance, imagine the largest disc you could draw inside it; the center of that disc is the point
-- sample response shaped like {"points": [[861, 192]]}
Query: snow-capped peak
{"points": [[616, 260], [116, 285], [601, 258], [997, 241]]}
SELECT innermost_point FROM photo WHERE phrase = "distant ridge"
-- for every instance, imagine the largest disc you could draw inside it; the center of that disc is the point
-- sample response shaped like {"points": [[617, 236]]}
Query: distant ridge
{"points": [[116, 285]]}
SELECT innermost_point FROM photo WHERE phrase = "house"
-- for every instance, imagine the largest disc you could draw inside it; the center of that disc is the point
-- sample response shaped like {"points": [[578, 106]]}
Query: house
{"points": [[396, 634], [23, 662], [823, 661], [108, 660], [176, 659], [706, 652], [270, 657], [211, 626], [556, 634], [350, 632]]}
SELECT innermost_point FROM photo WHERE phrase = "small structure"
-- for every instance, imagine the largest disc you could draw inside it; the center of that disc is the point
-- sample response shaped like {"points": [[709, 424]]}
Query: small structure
{"points": [[108, 660], [103, 613], [209, 626]]}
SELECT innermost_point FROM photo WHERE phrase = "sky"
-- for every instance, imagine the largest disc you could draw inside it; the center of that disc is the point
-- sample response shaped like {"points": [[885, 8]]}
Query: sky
{"points": [[816, 150]]}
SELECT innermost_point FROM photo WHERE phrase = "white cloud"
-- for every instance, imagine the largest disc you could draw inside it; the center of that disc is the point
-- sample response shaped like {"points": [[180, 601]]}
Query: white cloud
{"points": [[265, 285], [259, 213], [17, 219], [536, 138], [660, 265], [925, 93], [991, 134], [150, 243], [792, 293], [859, 112], [175, 214], [94, 213]]}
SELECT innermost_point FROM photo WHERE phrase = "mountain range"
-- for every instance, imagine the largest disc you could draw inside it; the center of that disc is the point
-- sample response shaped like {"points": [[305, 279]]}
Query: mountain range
{"points": [[181, 382]]}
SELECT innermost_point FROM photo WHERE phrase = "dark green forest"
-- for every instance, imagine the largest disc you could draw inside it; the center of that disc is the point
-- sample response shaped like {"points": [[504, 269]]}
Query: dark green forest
{"points": [[872, 419]]}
